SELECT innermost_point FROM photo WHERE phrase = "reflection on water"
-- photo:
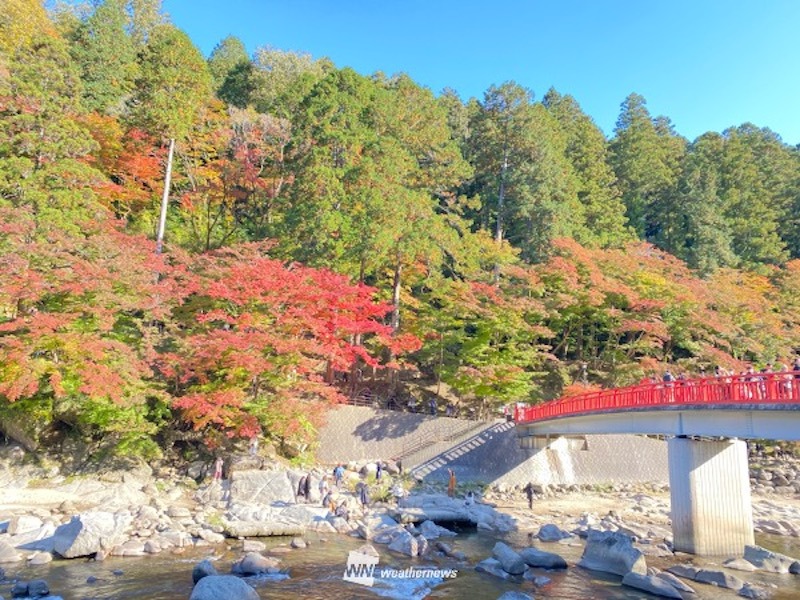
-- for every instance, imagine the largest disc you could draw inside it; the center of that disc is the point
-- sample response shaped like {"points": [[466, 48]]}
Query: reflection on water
{"points": [[316, 574]]}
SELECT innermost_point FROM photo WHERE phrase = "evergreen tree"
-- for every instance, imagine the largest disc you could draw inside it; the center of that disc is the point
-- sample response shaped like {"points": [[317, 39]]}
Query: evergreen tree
{"points": [[645, 155], [232, 72], [587, 152], [106, 56], [172, 86]]}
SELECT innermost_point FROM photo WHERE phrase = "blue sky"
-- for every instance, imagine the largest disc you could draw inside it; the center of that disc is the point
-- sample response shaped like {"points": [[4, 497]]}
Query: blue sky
{"points": [[706, 64]]}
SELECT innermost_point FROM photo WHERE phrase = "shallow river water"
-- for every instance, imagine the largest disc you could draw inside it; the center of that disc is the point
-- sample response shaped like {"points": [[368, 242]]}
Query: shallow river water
{"points": [[316, 574]]}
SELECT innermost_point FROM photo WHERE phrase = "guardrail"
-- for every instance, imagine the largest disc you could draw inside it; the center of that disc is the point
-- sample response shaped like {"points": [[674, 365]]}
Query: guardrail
{"points": [[783, 387]]}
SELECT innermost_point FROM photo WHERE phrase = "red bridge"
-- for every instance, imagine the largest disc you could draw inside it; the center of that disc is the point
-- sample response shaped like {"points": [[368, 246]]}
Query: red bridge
{"points": [[705, 422], [758, 405]]}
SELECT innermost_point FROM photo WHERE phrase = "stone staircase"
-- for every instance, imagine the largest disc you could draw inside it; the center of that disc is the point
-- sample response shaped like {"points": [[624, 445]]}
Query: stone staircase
{"points": [[437, 455]]}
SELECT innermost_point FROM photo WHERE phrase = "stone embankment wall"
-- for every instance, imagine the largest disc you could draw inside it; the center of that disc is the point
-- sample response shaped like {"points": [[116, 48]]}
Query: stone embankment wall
{"points": [[487, 452]]}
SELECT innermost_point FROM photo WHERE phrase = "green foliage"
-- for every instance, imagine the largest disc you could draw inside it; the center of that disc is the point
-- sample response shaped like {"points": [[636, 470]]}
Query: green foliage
{"points": [[106, 55], [172, 86]]}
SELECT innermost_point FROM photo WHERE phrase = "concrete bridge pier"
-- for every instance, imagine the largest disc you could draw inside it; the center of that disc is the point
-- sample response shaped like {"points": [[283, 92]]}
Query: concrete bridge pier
{"points": [[712, 514]]}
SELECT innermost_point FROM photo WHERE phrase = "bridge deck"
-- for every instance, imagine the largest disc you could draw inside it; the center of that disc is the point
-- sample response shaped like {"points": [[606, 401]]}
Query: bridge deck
{"points": [[762, 405]]}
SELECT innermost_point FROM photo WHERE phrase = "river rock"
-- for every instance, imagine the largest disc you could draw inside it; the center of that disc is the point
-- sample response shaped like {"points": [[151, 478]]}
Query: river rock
{"points": [[130, 548], [756, 592], [720, 579], [8, 554], [675, 582], [370, 526], [223, 587], [210, 536], [515, 596], [493, 567], [262, 528], [90, 532], [38, 588], [739, 564], [685, 571], [23, 524], [39, 558], [203, 569], [253, 546], [432, 531], [510, 560], [770, 561], [405, 543], [254, 563], [612, 552], [545, 560], [261, 487], [552, 533], [651, 584], [298, 543]]}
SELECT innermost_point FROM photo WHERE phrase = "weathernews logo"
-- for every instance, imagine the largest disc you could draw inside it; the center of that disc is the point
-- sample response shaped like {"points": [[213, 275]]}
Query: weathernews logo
{"points": [[361, 569]]}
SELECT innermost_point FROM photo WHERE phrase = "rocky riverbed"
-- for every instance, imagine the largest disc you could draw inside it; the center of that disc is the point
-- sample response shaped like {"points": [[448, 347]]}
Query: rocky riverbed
{"points": [[45, 516]]}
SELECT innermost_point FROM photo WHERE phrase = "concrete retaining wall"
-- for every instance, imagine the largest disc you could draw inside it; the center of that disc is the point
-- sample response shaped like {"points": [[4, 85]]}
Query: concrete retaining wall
{"points": [[489, 451]]}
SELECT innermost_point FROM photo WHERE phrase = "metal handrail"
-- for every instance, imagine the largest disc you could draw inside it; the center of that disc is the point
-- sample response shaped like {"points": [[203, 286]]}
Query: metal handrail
{"points": [[750, 388]]}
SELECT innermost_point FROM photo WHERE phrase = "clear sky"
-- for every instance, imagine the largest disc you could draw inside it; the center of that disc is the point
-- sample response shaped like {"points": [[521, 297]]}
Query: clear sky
{"points": [[705, 64]]}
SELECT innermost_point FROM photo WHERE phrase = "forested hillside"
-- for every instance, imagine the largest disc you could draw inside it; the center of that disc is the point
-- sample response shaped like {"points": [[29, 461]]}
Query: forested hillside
{"points": [[329, 231]]}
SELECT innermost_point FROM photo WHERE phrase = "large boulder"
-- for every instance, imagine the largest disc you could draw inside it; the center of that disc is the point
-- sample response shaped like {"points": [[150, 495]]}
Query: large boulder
{"points": [[405, 543], [203, 569], [719, 579], [239, 529], [493, 567], [23, 524], [8, 554], [552, 533], [770, 561], [261, 487], [254, 563], [432, 531], [651, 584], [223, 587], [510, 560], [612, 552], [545, 560], [90, 532]]}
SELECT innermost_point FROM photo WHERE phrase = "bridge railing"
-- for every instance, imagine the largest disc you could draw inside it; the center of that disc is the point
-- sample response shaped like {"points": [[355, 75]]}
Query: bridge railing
{"points": [[732, 389]]}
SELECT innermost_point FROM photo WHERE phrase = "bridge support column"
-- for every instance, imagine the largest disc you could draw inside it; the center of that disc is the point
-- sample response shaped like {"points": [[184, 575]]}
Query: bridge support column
{"points": [[710, 496]]}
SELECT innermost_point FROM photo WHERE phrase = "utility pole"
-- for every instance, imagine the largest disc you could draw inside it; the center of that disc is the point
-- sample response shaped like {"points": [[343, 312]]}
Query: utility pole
{"points": [[162, 221]]}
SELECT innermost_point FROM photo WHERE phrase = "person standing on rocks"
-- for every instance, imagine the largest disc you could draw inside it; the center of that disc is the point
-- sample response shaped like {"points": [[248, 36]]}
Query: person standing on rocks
{"points": [[301, 487], [378, 471], [323, 488], [363, 495], [254, 445], [218, 464], [451, 484], [529, 494], [338, 474]]}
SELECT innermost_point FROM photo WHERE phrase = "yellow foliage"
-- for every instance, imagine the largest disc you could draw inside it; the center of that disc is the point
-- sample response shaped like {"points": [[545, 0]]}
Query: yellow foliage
{"points": [[20, 21]]}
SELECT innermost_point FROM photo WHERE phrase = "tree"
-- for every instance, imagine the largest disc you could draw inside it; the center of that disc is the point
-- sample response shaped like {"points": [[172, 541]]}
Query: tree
{"points": [[42, 158], [173, 84], [265, 337], [586, 150], [21, 21], [232, 72], [145, 18], [76, 338], [645, 155], [106, 56], [281, 79]]}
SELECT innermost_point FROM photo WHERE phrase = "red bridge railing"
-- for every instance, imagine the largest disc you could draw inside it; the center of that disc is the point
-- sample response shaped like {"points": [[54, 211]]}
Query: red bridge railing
{"points": [[783, 387]]}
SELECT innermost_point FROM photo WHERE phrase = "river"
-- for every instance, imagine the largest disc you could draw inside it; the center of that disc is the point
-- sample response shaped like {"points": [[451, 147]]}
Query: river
{"points": [[316, 574]]}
